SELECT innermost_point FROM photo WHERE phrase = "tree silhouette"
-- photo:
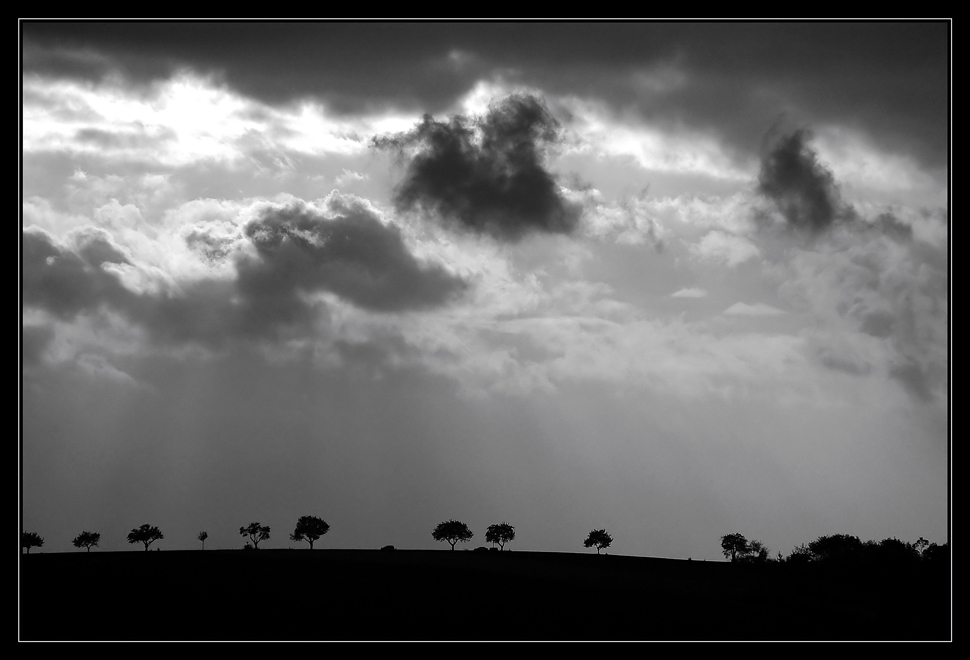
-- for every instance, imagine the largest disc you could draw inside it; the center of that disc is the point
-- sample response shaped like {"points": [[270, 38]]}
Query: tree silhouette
{"points": [[31, 540], [735, 546], [452, 531], [145, 534], [87, 540], [757, 552], [598, 538], [202, 537], [839, 548], [309, 528], [501, 534], [921, 545], [256, 533]]}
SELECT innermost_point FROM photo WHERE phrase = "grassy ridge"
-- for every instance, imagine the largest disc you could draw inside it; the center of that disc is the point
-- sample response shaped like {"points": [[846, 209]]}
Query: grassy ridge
{"points": [[443, 595]]}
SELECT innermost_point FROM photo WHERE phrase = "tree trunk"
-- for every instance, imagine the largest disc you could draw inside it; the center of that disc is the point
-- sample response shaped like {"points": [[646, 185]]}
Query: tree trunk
{"points": [[311, 545]]}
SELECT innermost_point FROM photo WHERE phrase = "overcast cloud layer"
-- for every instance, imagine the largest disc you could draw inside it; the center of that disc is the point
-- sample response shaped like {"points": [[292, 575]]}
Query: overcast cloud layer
{"points": [[671, 280]]}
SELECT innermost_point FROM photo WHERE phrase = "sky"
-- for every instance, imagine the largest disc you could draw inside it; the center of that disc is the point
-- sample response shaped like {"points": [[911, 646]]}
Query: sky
{"points": [[671, 280]]}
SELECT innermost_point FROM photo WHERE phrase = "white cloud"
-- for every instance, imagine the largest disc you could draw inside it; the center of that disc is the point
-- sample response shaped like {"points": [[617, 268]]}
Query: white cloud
{"points": [[692, 292], [757, 309], [727, 248]]}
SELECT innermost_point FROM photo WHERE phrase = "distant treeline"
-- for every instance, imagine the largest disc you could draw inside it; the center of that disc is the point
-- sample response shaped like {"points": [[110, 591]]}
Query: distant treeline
{"points": [[839, 549]]}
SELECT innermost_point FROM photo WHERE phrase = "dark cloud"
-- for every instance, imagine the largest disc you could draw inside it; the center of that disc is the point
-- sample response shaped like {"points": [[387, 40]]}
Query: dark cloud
{"points": [[802, 189], [62, 282], [486, 174], [889, 225], [347, 251], [733, 77], [351, 253]]}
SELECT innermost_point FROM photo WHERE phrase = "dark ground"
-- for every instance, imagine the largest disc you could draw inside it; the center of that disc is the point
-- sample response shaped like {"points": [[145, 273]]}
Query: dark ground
{"points": [[444, 595]]}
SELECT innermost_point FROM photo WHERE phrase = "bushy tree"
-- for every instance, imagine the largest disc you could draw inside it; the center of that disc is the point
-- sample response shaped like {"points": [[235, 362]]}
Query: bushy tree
{"points": [[921, 545], [202, 537], [735, 546], [256, 533], [31, 540], [892, 552], [839, 548], [937, 554], [452, 531], [87, 540], [145, 534], [801, 554], [501, 533], [598, 538], [309, 528], [757, 553]]}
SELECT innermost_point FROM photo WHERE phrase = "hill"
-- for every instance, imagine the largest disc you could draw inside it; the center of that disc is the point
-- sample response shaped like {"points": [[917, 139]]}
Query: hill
{"points": [[465, 595]]}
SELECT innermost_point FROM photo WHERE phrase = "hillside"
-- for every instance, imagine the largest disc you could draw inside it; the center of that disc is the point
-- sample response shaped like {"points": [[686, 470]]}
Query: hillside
{"points": [[464, 595]]}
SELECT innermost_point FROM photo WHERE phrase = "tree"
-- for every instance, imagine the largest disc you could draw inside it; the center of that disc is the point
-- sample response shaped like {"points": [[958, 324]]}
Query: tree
{"points": [[256, 533], [598, 538], [145, 534], [757, 552], [800, 555], [202, 537], [31, 540], [309, 528], [87, 540], [734, 546], [501, 534], [921, 545], [837, 548], [452, 531]]}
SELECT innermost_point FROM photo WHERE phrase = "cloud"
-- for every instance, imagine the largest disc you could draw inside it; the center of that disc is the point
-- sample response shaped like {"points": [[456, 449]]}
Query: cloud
{"points": [[875, 284], [692, 292], [59, 280], [757, 309], [34, 342], [285, 256], [802, 189], [721, 246], [347, 251], [486, 174]]}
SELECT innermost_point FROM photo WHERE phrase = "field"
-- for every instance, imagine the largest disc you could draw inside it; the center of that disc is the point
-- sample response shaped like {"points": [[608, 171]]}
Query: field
{"points": [[364, 595]]}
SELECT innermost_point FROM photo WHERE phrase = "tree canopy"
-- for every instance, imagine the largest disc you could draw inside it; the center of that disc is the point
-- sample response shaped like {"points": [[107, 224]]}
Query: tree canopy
{"points": [[735, 546], [309, 528], [255, 532], [87, 540], [145, 534], [452, 531], [501, 534], [598, 538], [31, 540]]}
